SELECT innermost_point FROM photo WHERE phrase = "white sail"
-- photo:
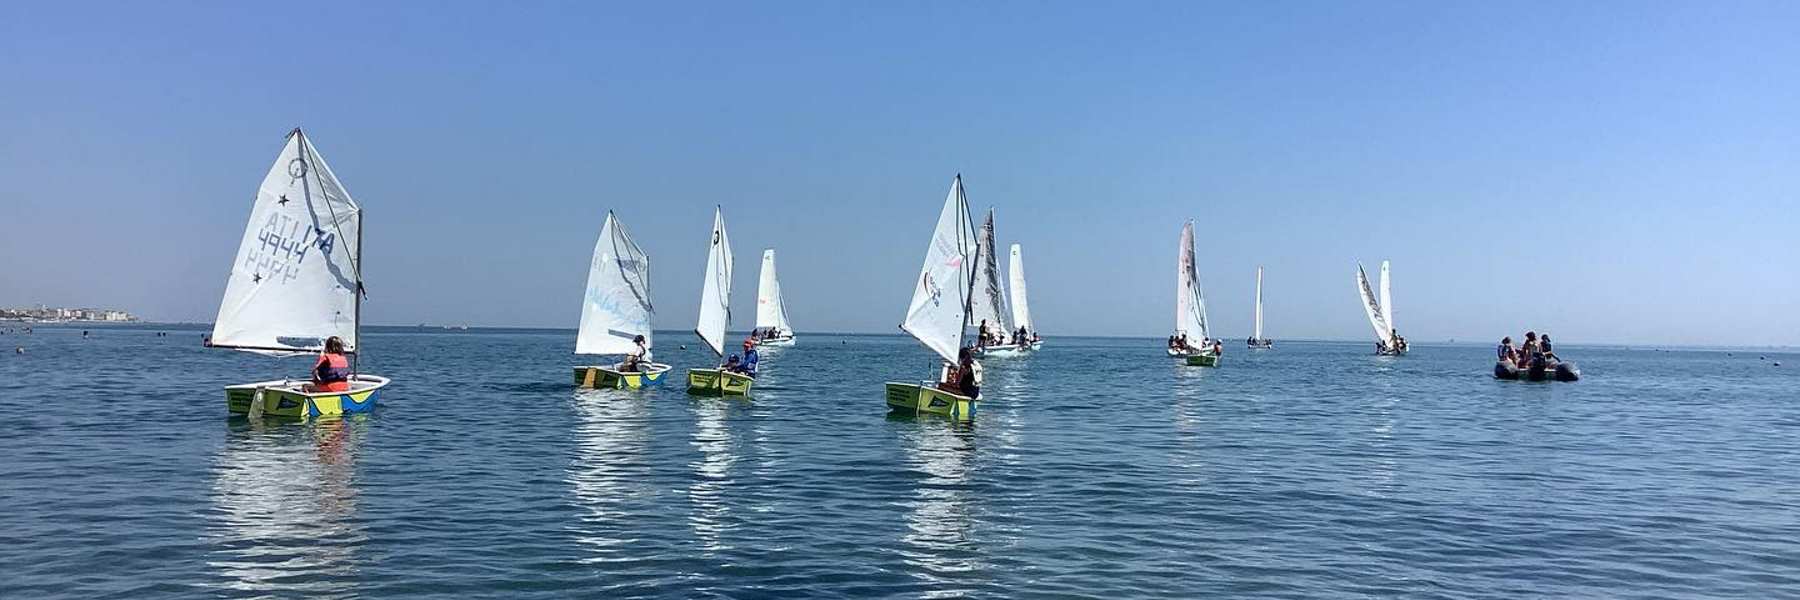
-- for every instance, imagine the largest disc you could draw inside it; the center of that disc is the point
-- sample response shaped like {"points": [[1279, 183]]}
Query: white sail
{"points": [[616, 307], [941, 293], [989, 302], [1387, 301], [771, 309], [1258, 332], [296, 278], [1021, 312], [1190, 301], [1370, 306], [715, 292]]}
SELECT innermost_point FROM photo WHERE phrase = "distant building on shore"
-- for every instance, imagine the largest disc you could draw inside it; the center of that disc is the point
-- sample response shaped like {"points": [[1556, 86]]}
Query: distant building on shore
{"points": [[44, 313]]}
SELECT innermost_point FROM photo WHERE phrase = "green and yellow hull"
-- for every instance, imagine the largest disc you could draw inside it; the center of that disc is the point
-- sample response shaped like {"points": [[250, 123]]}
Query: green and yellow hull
{"points": [[610, 377], [1203, 360], [718, 382], [287, 399], [925, 398]]}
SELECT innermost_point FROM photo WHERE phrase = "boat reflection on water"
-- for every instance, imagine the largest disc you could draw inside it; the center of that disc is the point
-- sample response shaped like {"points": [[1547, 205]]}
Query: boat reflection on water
{"points": [[284, 508], [610, 470], [940, 542], [712, 473]]}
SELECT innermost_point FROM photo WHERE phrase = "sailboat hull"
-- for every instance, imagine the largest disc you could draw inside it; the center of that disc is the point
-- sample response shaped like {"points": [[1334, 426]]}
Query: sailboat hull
{"points": [[1003, 350], [926, 398], [780, 342], [717, 382], [288, 399], [1203, 360], [1260, 344], [610, 377]]}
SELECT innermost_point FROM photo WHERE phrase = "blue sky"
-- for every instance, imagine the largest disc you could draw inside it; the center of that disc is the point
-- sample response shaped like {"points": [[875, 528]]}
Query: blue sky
{"points": [[1609, 171]]}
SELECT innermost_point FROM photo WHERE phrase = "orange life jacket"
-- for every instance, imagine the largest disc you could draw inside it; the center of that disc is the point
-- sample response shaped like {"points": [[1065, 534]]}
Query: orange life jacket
{"points": [[332, 373]]}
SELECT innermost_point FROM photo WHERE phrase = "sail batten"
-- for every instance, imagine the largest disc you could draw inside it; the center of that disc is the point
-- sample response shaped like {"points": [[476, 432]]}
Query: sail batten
{"points": [[940, 301], [616, 306], [1190, 300], [296, 279], [1021, 311], [771, 307], [715, 291]]}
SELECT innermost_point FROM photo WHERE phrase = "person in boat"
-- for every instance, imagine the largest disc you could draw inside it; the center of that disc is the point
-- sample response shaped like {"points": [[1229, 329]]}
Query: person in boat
{"points": [[1505, 352], [1544, 347], [748, 366], [731, 364], [332, 372], [637, 360], [1218, 348]]}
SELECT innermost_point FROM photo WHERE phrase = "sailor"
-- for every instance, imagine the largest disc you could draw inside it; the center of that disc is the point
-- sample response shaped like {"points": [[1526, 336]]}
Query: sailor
{"points": [[1218, 348], [968, 374], [636, 360], [748, 366], [332, 372]]}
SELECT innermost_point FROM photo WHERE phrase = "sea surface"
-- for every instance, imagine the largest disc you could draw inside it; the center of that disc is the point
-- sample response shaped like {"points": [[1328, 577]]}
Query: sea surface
{"points": [[1095, 468]]}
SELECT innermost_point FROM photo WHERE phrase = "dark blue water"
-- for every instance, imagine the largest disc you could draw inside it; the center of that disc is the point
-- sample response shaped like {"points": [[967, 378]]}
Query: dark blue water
{"points": [[1096, 468]]}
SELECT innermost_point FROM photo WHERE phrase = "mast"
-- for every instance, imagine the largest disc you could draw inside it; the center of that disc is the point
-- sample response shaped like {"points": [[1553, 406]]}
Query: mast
{"points": [[962, 204]]}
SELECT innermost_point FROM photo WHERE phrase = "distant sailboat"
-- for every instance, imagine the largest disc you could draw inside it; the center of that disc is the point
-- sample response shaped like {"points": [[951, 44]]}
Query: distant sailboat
{"points": [[715, 316], [1381, 313], [988, 313], [771, 308], [938, 313], [1256, 337], [616, 310], [279, 303], [1021, 312], [1190, 308]]}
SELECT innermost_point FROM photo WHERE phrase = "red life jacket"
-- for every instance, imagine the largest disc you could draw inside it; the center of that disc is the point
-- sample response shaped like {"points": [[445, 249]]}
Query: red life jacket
{"points": [[332, 373]]}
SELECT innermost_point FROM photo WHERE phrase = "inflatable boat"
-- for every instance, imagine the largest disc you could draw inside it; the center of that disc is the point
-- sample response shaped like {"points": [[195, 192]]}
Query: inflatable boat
{"points": [[1538, 371]]}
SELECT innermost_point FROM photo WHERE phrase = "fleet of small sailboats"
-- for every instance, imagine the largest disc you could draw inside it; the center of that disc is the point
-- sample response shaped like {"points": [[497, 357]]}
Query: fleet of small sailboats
{"points": [[715, 316], [616, 314], [938, 314], [295, 284], [1257, 341], [1381, 313], [296, 287], [772, 327]]}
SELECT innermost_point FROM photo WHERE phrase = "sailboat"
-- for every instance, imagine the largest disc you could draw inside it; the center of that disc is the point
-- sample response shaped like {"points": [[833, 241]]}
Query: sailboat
{"points": [[1381, 313], [1257, 341], [296, 282], [1190, 308], [1021, 312], [715, 316], [615, 311], [771, 308], [988, 313], [938, 313]]}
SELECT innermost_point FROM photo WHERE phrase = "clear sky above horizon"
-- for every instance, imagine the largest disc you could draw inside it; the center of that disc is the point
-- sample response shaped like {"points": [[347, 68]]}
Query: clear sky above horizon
{"points": [[1608, 171]]}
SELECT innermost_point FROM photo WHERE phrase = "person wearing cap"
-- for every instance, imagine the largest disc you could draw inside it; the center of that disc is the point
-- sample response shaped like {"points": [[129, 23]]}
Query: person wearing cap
{"points": [[748, 365]]}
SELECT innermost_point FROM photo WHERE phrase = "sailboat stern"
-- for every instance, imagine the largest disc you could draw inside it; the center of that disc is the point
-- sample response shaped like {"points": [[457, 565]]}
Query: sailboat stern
{"points": [[1207, 359], [718, 382], [925, 398], [288, 399]]}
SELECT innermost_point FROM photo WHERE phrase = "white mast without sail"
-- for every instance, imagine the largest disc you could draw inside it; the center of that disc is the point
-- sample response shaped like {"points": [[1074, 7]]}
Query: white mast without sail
{"points": [[989, 301], [941, 294], [1190, 301], [1021, 312], [616, 307], [297, 277], [715, 292], [771, 308]]}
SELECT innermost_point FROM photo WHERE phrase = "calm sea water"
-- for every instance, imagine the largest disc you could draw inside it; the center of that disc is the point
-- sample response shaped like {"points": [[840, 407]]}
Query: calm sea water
{"points": [[1096, 468]]}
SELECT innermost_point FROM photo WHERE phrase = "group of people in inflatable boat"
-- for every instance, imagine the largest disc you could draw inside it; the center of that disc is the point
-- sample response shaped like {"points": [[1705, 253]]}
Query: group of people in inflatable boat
{"points": [[1536, 360]]}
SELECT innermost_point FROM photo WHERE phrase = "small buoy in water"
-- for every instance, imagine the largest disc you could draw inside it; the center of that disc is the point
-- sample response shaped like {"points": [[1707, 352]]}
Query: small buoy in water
{"points": [[1778, 363], [684, 346], [19, 350]]}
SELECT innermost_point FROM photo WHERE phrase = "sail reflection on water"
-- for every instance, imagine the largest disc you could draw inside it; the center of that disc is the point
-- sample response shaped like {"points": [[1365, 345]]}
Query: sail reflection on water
{"points": [[284, 509], [940, 542], [712, 474], [611, 464]]}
